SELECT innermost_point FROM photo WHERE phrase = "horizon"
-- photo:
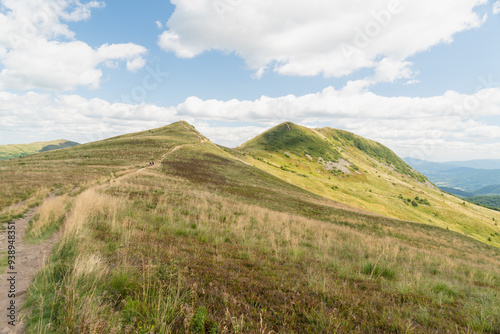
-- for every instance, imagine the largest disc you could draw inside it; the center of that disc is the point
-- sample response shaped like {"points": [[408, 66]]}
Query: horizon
{"points": [[390, 72], [233, 147]]}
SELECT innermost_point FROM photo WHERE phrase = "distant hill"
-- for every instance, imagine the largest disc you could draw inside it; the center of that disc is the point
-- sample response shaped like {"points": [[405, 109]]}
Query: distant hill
{"points": [[456, 192], [487, 201], [477, 181], [488, 196], [13, 151], [476, 164], [488, 190], [459, 174]]}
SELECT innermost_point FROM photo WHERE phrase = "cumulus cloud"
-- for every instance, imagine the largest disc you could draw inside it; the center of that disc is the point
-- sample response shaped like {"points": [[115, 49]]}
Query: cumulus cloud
{"points": [[439, 127], [38, 51], [431, 128], [328, 37], [496, 7], [34, 116]]}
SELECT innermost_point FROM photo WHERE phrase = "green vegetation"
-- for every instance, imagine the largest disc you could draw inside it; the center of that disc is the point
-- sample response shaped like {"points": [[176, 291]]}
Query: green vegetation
{"points": [[20, 150], [212, 259], [414, 202], [205, 243], [82, 164], [294, 138], [373, 149], [50, 217], [492, 202], [3, 261], [367, 179]]}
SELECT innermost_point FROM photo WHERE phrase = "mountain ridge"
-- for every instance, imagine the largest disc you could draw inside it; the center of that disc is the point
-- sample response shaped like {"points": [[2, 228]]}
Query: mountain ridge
{"points": [[459, 175], [213, 239], [12, 151]]}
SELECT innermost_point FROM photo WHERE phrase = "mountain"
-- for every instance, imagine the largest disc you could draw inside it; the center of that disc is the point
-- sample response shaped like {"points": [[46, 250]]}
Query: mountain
{"points": [[475, 164], [459, 175], [295, 231], [456, 192], [488, 190], [478, 164], [487, 196], [20, 150], [346, 168], [489, 201]]}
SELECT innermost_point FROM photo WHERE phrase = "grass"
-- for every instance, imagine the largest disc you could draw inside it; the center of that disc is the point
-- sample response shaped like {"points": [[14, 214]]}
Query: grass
{"points": [[296, 139], [49, 218], [20, 150], [216, 259], [204, 243], [375, 186], [81, 165], [3, 261]]}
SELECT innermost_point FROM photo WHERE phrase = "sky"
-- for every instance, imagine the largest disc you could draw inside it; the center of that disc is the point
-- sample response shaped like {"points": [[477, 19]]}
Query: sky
{"points": [[421, 77]]}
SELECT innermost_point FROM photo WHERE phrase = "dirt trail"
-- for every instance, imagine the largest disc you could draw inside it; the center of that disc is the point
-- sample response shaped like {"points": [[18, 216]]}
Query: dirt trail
{"points": [[29, 259]]}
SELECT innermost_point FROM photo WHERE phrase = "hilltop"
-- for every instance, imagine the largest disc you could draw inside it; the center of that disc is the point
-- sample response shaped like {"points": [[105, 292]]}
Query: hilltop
{"points": [[347, 168], [20, 150], [249, 240]]}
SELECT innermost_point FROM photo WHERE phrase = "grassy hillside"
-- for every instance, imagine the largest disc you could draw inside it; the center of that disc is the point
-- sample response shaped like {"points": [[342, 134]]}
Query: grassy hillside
{"points": [[375, 150], [20, 150], [366, 175], [83, 163], [205, 243]]}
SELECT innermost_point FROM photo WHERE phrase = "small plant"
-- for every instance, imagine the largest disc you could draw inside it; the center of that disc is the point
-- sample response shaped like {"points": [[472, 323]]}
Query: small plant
{"points": [[199, 318], [376, 270]]}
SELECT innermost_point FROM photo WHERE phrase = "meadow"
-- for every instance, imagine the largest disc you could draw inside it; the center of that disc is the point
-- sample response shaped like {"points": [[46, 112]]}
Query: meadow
{"points": [[205, 243]]}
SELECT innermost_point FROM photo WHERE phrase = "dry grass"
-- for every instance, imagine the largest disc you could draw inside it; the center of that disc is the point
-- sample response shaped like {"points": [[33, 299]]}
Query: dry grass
{"points": [[91, 206], [235, 251], [51, 210], [145, 259]]}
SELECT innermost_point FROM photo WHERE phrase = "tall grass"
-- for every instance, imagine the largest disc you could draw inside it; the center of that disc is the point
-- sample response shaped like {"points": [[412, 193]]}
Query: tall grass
{"points": [[154, 253], [50, 216]]}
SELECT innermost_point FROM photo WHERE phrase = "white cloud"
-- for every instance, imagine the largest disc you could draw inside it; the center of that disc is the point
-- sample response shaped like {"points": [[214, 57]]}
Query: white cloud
{"points": [[329, 37], [496, 7], [429, 128], [38, 51], [33, 117], [159, 24], [441, 127]]}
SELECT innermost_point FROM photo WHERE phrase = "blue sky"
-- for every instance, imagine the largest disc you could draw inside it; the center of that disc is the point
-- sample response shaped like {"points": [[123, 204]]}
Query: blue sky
{"points": [[422, 79]]}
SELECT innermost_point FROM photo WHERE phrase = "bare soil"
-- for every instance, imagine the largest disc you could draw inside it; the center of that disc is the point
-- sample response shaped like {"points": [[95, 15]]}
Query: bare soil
{"points": [[29, 260]]}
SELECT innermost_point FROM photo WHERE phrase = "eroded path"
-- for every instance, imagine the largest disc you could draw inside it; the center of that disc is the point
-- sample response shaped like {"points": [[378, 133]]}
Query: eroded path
{"points": [[29, 259]]}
